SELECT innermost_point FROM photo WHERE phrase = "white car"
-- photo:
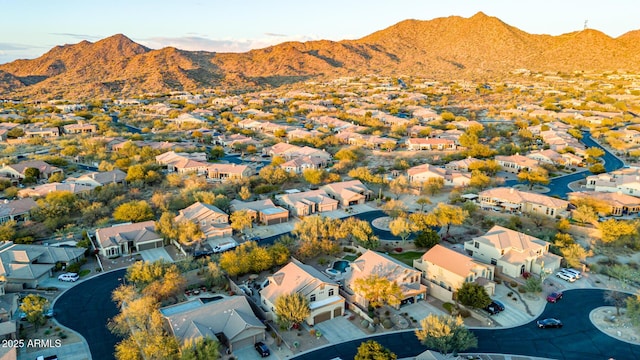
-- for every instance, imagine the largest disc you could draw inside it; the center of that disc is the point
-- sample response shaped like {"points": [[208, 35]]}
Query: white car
{"points": [[565, 277], [572, 272], [72, 277]]}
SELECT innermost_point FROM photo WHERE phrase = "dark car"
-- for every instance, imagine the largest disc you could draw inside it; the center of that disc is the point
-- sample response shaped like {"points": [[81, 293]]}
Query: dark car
{"points": [[554, 297], [262, 349], [549, 323], [198, 254], [494, 308]]}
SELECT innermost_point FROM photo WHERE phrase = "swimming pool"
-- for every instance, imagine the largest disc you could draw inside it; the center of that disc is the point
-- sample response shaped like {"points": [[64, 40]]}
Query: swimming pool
{"points": [[340, 265]]}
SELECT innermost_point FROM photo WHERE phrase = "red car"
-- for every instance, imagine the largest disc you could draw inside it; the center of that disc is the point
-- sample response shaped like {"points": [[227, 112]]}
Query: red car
{"points": [[554, 297]]}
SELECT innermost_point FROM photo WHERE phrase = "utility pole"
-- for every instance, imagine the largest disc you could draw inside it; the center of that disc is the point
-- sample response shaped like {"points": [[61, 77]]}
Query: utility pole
{"points": [[585, 24]]}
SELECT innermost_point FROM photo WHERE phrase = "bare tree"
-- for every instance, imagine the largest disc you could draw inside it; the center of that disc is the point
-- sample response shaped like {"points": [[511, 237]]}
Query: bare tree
{"points": [[615, 298]]}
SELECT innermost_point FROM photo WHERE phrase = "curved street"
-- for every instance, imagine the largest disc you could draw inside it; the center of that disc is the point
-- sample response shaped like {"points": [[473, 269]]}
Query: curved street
{"points": [[578, 339], [559, 186], [87, 307]]}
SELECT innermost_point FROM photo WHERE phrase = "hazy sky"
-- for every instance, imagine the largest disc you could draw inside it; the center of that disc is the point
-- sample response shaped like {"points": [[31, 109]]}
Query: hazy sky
{"points": [[29, 28]]}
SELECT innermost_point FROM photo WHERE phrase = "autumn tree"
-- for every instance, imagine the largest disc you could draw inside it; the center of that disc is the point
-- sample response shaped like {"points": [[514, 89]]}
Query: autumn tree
{"points": [[188, 232], [274, 175], [372, 350], [401, 227], [445, 334], [423, 201], [244, 193], [394, 208], [378, 290], [133, 211], [534, 176], [574, 254], [360, 231], [473, 295], [7, 230], [594, 152], [479, 180], [313, 176], [214, 275], [399, 185], [203, 348], [584, 214], [317, 235], [613, 230], [34, 307], [432, 186], [291, 309], [447, 215], [241, 220]]}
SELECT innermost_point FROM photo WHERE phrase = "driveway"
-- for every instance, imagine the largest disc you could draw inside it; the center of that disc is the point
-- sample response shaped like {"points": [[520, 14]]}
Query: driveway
{"points": [[577, 340], [339, 329], [87, 307], [152, 255]]}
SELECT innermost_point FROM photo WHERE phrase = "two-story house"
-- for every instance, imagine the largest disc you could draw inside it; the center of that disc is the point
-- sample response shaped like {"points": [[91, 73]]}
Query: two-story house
{"points": [[512, 252], [212, 221], [514, 200], [445, 270], [325, 301], [373, 263]]}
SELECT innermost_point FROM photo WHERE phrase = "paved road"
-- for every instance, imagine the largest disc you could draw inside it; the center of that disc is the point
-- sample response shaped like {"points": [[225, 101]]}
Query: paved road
{"points": [[560, 186], [577, 340], [87, 307]]}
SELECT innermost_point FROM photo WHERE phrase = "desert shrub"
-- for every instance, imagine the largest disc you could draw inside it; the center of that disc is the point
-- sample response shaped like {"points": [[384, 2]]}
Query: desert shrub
{"points": [[521, 289], [464, 313], [387, 324], [449, 307]]}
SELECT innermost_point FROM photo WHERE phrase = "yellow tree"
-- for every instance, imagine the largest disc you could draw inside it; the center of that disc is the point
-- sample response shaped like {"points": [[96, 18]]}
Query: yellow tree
{"points": [[378, 290], [291, 309], [241, 220], [401, 227], [534, 176], [613, 230], [447, 215]]}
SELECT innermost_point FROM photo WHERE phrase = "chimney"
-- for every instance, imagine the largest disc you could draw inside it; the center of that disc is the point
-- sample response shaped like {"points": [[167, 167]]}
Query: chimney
{"points": [[511, 191]]}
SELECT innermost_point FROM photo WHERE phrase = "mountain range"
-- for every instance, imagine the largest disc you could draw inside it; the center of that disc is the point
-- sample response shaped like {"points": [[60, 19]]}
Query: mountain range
{"points": [[478, 47]]}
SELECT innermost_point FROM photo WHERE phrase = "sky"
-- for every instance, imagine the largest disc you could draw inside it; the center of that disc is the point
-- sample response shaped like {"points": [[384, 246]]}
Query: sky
{"points": [[30, 28]]}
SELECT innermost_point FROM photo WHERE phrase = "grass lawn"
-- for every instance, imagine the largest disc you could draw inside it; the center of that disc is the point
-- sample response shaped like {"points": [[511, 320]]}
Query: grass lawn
{"points": [[407, 257], [350, 257]]}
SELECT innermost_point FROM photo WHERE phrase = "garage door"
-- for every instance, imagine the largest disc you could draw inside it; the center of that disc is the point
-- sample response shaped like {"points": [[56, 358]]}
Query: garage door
{"points": [[337, 312], [148, 246], [322, 317], [243, 343]]}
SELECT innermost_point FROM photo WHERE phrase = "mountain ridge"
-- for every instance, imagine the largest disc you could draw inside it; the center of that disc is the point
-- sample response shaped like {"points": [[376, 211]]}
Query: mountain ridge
{"points": [[447, 47]]}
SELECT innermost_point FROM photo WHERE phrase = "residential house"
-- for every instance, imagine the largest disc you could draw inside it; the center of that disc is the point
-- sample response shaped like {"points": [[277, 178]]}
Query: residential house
{"points": [[80, 128], [322, 293], [231, 140], [348, 193], [421, 174], [619, 204], [512, 252], [300, 164], [212, 221], [461, 165], [625, 181], [27, 266], [229, 319], [515, 163], [514, 200], [44, 189], [264, 212], [430, 144], [184, 163], [188, 119], [16, 210], [445, 270], [307, 202], [41, 131], [223, 172], [16, 171], [125, 239], [372, 263], [95, 179]]}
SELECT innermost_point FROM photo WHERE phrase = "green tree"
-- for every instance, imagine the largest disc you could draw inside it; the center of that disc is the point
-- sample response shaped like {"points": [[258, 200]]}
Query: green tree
{"points": [[473, 295], [274, 175], [57, 204], [279, 252], [633, 309], [372, 350], [427, 239], [56, 177], [291, 309], [214, 276], [200, 349], [445, 334], [133, 211], [216, 152], [378, 290], [34, 307], [32, 173], [533, 284]]}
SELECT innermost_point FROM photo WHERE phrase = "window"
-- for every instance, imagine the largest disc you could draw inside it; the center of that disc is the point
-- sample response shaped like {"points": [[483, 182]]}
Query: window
{"points": [[494, 261], [476, 245], [330, 292], [312, 298]]}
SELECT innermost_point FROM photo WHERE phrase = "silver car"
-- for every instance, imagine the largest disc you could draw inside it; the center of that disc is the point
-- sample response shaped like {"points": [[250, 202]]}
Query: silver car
{"points": [[565, 277], [572, 272]]}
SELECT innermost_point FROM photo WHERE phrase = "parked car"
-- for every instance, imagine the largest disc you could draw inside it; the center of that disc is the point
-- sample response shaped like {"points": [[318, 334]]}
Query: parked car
{"points": [[572, 272], [565, 277], [72, 277], [549, 323], [262, 349], [494, 308], [554, 297]]}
